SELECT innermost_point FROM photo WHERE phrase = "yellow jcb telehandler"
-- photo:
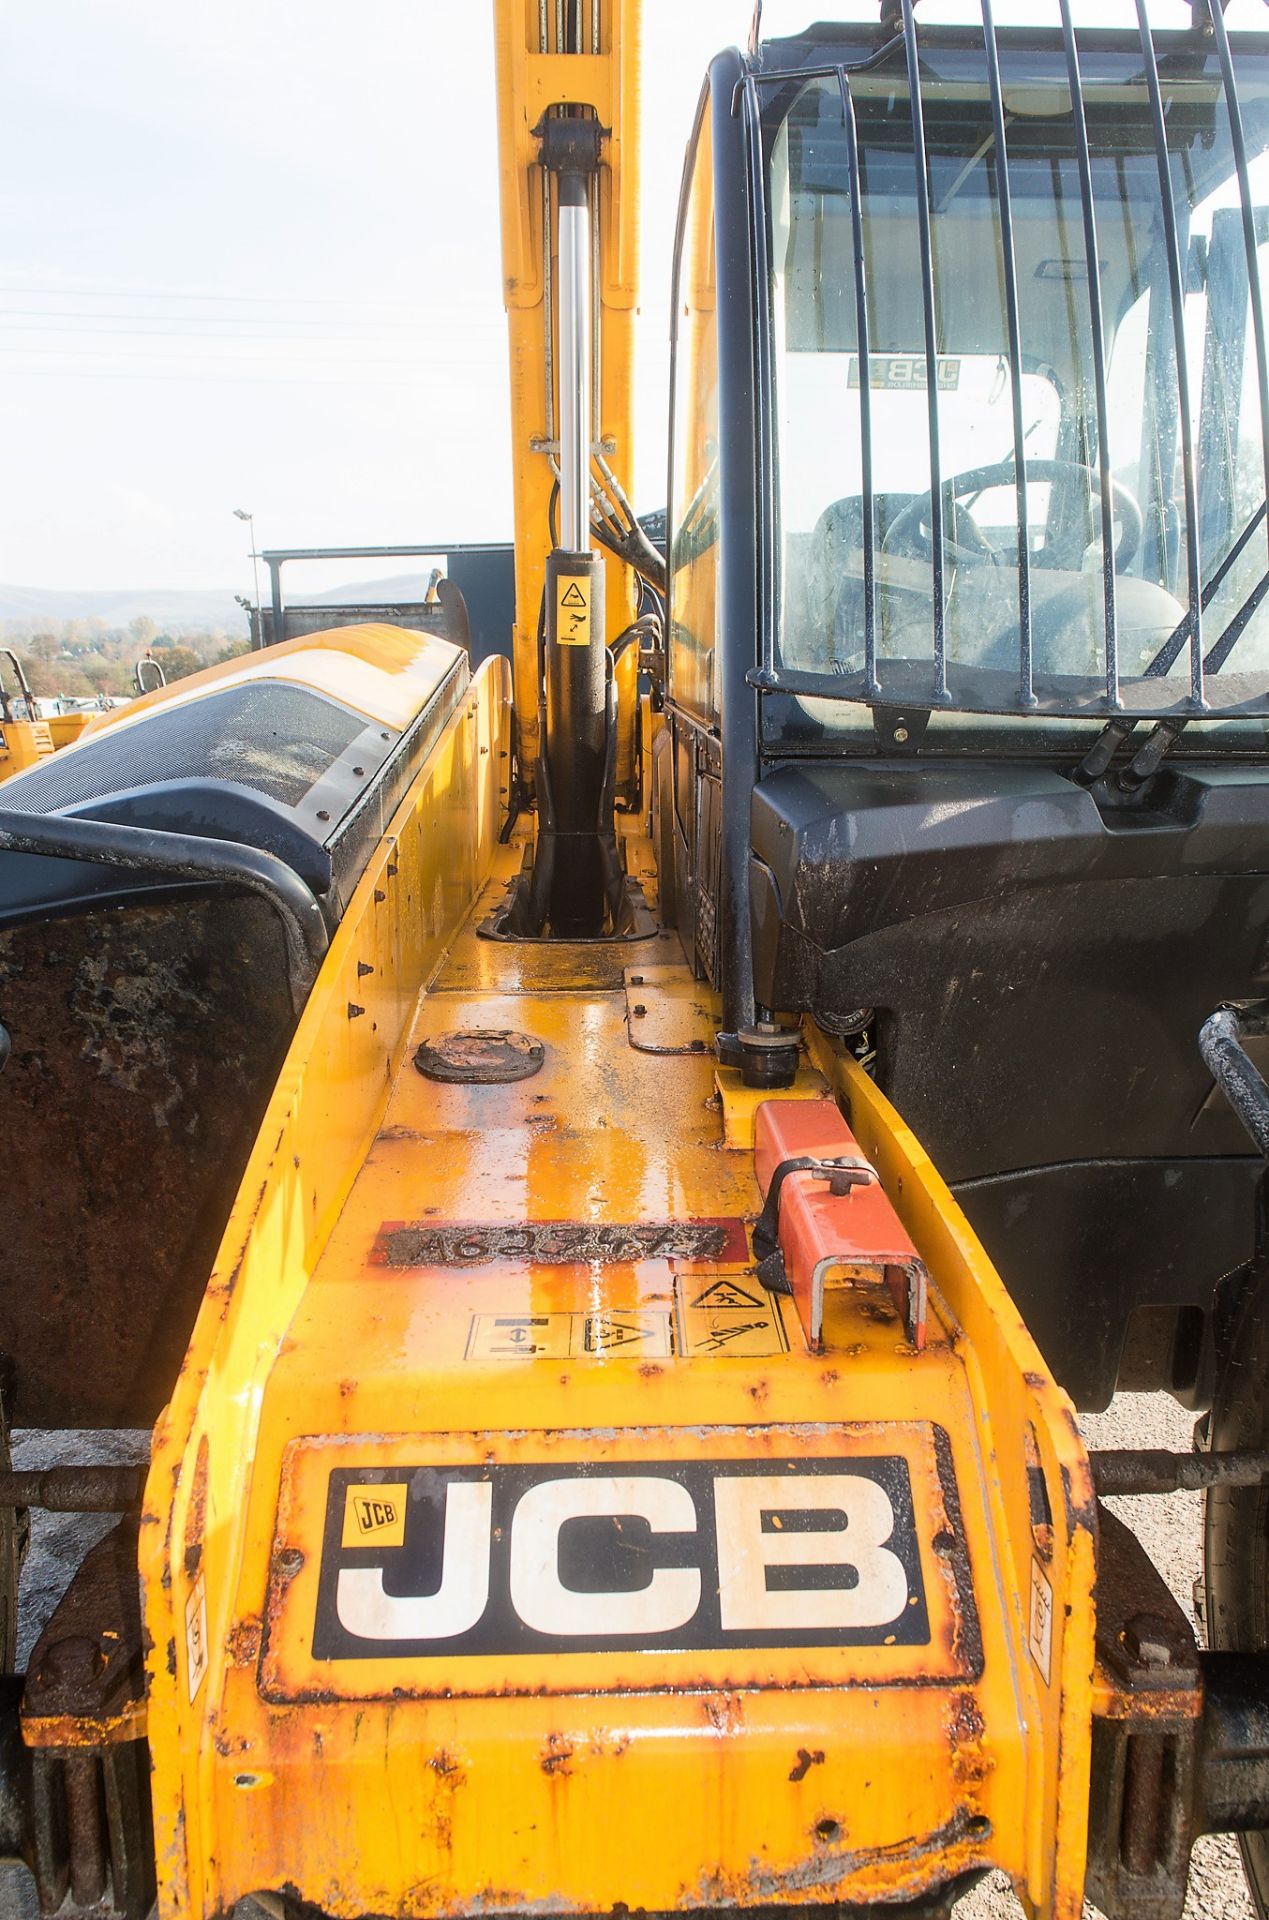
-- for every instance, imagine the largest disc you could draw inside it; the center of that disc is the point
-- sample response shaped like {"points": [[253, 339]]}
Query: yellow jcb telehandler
{"points": [[609, 1174]]}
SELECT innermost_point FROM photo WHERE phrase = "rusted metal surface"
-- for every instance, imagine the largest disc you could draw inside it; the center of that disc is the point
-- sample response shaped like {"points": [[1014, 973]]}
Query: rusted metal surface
{"points": [[86, 1680], [17, 1829], [1144, 1808], [92, 1488], [91, 1840], [150, 1038], [480, 1056], [188, 858], [1153, 1470], [84, 1830], [83, 1714]]}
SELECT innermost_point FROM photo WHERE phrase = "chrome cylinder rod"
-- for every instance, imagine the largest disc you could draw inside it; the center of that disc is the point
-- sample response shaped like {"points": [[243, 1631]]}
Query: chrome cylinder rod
{"points": [[574, 363]]}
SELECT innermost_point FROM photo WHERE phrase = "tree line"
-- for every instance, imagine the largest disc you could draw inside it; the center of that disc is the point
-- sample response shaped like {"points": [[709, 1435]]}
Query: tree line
{"points": [[85, 659]]}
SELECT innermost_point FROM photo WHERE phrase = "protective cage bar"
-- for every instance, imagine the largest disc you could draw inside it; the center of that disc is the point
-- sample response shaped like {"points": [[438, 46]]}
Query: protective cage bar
{"points": [[934, 682]]}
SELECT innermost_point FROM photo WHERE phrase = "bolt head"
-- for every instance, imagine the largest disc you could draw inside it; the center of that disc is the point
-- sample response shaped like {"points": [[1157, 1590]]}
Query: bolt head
{"points": [[72, 1661], [1148, 1639]]}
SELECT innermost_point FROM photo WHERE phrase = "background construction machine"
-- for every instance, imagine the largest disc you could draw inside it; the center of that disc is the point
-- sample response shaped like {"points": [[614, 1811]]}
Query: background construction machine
{"points": [[609, 1172]]}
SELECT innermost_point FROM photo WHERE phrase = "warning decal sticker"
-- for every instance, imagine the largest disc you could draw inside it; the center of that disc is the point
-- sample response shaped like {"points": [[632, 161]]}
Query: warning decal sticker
{"points": [[728, 1293], [1041, 1635], [572, 611], [196, 1635], [729, 1317], [562, 1336]]}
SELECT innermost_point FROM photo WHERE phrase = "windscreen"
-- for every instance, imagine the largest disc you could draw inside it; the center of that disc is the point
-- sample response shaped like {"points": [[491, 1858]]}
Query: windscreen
{"points": [[1044, 273]]}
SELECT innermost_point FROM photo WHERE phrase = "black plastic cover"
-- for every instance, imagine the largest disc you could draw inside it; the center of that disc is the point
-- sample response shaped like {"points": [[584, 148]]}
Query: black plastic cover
{"points": [[1040, 962]]}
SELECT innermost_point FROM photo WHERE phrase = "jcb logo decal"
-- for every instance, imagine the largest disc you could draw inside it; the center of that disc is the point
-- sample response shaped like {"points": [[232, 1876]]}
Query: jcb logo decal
{"points": [[512, 1559], [374, 1515]]}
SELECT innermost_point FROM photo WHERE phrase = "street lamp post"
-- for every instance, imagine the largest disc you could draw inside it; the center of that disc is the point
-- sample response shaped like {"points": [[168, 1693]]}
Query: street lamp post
{"points": [[240, 513]]}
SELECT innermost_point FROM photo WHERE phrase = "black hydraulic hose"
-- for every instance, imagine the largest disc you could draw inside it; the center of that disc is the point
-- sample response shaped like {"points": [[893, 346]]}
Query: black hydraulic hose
{"points": [[543, 875], [1220, 1042], [183, 856], [609, 858]]}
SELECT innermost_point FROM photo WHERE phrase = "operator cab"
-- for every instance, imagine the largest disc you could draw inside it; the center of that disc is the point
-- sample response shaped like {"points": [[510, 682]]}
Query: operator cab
{"points": [[966, 726]]}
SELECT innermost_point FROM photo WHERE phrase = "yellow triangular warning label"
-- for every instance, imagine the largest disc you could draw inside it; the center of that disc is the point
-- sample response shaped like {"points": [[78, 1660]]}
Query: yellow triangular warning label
{"points": [[573, 596], [725, 1293]]}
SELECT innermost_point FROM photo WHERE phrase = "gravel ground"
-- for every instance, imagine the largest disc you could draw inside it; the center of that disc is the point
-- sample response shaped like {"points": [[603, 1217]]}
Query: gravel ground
{"points": [[1170, 1528]]}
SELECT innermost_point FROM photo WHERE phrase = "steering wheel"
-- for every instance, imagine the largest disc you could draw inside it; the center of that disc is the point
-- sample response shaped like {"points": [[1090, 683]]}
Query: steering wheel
{"points": [[964, 539]]}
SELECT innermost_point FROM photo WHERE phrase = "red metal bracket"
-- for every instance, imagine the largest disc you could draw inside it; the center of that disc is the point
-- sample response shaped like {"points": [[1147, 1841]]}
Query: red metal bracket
{"points": [[826, 1222]]}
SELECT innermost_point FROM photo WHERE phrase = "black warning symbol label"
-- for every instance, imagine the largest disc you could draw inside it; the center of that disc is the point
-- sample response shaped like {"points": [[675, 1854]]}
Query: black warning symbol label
{"points": [[725, 1293], [728, 1316], [572, 611], [607, 1331], [734, 1330], [557, 1336]]}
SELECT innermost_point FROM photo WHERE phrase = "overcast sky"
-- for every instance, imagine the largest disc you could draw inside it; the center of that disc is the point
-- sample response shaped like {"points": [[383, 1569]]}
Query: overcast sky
{"points": [[249, 256]]}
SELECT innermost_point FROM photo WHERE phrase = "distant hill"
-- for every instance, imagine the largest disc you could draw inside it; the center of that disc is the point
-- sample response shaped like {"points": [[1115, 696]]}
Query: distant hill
{"points": [[212, 608], [401, 588]]}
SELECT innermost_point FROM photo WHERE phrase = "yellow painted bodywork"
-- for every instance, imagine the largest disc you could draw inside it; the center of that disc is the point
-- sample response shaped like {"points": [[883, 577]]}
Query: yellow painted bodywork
{"points": [[373, 668], [66, 728], [660, 1779], [326, 1368], [532, 78], [23, 744]]}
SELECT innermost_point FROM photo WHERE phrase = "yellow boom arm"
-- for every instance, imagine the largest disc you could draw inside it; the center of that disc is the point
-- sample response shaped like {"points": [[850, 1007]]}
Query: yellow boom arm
{"points": [[536, 78]]}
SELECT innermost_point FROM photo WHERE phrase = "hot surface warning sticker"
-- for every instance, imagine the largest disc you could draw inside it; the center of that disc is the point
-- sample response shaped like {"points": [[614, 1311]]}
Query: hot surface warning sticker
{"points": [[572, 610]]}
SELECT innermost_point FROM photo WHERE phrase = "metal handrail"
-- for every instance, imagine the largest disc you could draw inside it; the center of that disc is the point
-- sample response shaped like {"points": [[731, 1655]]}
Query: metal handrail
{"points": [[183, 856]]}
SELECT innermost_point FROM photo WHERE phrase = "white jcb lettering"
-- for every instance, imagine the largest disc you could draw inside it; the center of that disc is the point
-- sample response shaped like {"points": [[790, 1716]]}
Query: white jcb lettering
{"points": [[364, 1608], [668, 1600], [747, 1605]]}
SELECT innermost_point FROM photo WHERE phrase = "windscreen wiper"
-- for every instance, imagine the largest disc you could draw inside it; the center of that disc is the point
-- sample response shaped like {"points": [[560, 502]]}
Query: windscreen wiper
{"points": [[1115, 732], [1166, 732]]}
